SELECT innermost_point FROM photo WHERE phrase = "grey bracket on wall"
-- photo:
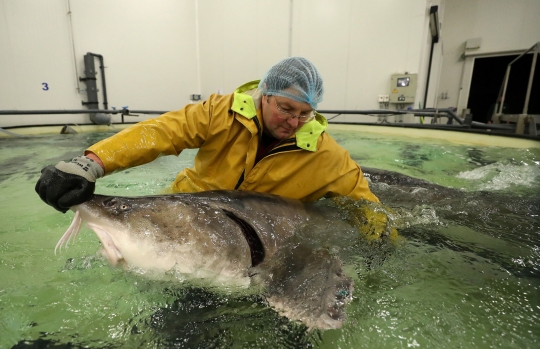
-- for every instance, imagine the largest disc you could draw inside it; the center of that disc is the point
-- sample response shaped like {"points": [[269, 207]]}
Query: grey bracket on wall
{"points": [[91, 88]]}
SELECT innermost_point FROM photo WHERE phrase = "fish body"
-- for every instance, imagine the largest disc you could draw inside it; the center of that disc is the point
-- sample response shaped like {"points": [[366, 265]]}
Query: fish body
{"points": [[229, 237]]}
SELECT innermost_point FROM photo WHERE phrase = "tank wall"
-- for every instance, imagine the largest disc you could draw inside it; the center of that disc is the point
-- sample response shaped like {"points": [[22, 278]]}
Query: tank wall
{"points": [[148, 49], [158, 53]]}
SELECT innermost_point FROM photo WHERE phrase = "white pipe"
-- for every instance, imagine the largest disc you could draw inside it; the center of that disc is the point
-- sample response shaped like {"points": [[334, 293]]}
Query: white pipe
{"points": [[71, 36], [290, 27], [197, 48]]}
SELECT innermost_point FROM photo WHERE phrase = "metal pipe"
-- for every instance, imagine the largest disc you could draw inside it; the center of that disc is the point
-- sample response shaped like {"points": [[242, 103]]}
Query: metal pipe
{"points": [[128, 112], [505, 85], [73, 51], [291, 21], [501, 96], [508, 127], [429, 71], [434, 29], [102, 68], [523, 54], [379, 111], [408, 125], [447, 111], [78, 111], [531, 78], [418, 112]]}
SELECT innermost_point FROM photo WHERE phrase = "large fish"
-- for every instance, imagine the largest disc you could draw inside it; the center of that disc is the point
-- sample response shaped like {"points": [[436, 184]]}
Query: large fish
{"points": [[233, 237]]}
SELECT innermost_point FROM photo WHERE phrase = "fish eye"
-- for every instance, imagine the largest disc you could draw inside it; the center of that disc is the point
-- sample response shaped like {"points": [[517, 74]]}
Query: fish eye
{"points": [[124, 207]]}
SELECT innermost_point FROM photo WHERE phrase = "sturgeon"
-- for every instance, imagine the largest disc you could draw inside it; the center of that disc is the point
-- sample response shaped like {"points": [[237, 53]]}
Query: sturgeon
{"points": [[231, 237]]}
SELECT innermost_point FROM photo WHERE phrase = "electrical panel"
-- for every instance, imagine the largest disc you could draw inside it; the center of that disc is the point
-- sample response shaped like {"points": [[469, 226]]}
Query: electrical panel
{"points": [[403, 88]]}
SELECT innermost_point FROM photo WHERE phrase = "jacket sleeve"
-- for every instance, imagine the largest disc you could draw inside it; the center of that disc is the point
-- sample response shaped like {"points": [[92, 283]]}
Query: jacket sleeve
{"points": [[360, 186], [350, 182], [342, 175], [167, 134]]}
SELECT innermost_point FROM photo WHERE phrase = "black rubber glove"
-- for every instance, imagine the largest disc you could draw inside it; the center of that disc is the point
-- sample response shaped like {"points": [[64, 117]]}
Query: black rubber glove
{"points": [[68, 183]]}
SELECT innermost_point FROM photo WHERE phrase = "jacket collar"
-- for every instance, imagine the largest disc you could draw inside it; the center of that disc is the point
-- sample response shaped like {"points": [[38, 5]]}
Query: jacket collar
{"points": [[247, 99]]}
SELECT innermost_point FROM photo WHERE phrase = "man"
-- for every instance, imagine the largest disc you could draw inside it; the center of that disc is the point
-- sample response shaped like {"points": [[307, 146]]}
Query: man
{"points": [[265, 137]]}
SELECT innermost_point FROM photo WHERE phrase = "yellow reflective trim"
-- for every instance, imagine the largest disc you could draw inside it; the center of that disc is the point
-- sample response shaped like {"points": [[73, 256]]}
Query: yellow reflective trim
{"points": [[248, 86], [308, 135], [243, 104]]}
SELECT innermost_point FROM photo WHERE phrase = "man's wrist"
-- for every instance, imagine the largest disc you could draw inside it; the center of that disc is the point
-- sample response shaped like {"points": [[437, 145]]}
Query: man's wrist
{"points": [[94, 157], [82, 166]]}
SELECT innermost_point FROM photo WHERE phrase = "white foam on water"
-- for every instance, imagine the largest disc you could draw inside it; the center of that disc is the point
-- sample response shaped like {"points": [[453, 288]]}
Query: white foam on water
{"points": [[419, 215], [499, 176]]}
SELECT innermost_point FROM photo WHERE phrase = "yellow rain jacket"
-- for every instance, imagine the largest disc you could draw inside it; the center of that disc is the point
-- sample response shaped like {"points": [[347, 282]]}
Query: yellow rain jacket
{"points": [[226, 129]]}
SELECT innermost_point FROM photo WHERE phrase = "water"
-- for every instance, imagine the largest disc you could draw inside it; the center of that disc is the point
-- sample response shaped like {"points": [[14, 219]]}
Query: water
{"points": [[467, 274]]}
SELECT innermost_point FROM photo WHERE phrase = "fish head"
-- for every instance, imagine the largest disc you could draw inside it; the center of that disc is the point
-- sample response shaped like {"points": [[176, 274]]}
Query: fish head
{"points": [[165, 232]]}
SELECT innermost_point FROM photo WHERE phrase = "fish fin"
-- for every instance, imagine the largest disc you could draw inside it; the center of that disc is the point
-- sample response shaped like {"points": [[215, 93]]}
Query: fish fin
{"points": [[306, 285]]}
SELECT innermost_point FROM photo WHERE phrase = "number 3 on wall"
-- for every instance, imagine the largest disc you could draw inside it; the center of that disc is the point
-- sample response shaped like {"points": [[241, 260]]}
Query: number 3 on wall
{"points": [[45, 86]]}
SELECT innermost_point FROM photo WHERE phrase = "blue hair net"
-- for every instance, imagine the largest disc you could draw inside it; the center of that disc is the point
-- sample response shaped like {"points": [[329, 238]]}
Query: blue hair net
{"points": [[295, 78]]}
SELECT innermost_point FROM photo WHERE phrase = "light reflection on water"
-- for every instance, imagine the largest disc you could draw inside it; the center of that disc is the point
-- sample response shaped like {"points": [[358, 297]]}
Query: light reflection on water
{"points": [[468, 274]]}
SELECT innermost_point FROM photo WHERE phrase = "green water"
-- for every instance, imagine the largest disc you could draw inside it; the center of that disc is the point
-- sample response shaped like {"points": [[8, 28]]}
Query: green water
{"points": [[445, 163], [467, 276]]}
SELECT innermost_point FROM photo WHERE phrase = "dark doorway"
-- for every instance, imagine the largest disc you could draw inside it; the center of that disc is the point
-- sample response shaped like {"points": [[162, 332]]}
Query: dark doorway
{"points": [[487, 78]]}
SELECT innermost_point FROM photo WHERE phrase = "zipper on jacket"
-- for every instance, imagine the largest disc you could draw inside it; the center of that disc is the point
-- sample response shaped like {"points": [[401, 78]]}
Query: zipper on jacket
{"points": [[259, 130], [240, 180]]}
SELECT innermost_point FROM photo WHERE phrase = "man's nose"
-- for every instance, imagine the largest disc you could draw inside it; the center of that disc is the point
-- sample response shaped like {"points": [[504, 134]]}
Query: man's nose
{"points": [[293, 122]]}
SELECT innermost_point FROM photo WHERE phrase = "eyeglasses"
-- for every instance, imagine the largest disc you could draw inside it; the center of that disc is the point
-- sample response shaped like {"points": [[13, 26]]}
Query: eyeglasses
{"points": [[302, 118]]}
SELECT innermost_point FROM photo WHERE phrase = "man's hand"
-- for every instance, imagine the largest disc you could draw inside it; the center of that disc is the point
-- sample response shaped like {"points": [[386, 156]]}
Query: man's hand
{"points": [[68, 183]]}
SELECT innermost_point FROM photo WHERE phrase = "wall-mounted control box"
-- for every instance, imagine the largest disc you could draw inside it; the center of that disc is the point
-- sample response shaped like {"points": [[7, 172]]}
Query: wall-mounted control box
{"points": [[403, 88]]}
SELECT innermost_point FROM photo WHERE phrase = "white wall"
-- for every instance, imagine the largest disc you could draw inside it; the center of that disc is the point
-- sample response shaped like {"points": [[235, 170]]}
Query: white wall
{"points": [[148, 47], [358, 45], [157, 53], [503, 26], [35, 49], [239, 40]]}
